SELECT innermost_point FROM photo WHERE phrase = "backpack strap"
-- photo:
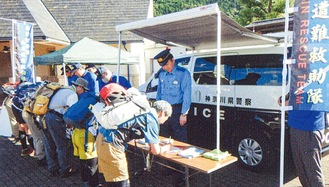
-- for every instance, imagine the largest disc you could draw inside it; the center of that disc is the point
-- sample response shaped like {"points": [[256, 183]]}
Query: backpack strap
{"points": [[89, 124], [86, 140], [55, 91], [140, 106], [16, 107]]}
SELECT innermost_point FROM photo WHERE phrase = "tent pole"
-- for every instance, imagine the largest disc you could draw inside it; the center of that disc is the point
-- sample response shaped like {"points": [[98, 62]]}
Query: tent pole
{"points": [[66, 83], [119, 57], [219, 29], [13, 53], [283, 108], [33, 67], [33, 70], [128, 72]]}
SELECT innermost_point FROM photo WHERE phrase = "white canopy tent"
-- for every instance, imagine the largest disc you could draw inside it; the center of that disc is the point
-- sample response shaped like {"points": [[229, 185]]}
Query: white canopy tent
{"points": [[91, 51], [85, 51], [199, 28], [196, 29]]}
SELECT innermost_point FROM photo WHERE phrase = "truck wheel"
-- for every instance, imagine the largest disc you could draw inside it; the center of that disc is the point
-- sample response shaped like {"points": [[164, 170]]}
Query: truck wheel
{"points": [[255, 154]]}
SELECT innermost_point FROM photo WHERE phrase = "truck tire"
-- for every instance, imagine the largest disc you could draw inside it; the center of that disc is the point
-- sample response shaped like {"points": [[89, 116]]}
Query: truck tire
{"points": [[254, 153]]}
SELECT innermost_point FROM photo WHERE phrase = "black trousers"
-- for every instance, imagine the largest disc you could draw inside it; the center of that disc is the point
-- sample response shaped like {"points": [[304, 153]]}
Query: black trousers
{"points": [[89, 171]]}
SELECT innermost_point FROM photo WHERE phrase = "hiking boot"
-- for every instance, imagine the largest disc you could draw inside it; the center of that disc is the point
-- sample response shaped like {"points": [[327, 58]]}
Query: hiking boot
{"points": [[33, 154], [54, 173], [27, 151], [67, 173], [42, 162], [14, 139], [17, 142]]}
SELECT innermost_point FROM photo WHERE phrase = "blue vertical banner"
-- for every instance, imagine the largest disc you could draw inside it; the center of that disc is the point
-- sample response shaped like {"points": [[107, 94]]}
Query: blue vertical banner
{"points": [[309, 88], [23, 42]]}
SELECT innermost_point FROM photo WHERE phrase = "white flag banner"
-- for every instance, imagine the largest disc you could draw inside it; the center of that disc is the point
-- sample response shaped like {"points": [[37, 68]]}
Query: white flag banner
{"points": [[23, 51]]}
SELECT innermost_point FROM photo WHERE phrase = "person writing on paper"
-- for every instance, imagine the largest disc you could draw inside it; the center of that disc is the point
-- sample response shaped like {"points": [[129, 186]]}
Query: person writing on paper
{"points": [[111, 142]]}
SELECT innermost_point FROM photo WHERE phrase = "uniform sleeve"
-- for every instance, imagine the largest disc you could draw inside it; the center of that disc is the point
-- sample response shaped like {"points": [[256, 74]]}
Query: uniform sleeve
{"points": [[159, 91], [187, 90]]}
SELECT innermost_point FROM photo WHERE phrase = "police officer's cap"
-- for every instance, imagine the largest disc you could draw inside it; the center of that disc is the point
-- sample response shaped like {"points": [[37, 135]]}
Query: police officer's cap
{"points": [[163, 57]]}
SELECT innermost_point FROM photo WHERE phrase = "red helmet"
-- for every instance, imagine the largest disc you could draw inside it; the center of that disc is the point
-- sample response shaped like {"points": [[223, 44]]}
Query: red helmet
{"points": [[113, 93]]}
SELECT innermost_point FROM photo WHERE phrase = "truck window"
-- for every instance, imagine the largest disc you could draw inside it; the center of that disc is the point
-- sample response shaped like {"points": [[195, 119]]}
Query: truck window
{"points": [[183, 62], [265, 69], [205, 71], [257, 76]]}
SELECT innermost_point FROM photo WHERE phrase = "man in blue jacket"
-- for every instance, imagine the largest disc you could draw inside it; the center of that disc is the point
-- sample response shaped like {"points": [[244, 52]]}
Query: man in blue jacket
{"points": [[306, 129], [90, 77], [107, 77], [306, 132]]}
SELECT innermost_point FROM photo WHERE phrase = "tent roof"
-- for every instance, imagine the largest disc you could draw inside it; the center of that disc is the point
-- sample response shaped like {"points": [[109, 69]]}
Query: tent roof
{"points": [[55, 57], [196, 29], [86, 51]]}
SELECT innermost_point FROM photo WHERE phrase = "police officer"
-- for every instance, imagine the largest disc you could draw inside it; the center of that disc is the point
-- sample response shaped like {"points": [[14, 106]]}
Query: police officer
{"points": [[175, 88]]}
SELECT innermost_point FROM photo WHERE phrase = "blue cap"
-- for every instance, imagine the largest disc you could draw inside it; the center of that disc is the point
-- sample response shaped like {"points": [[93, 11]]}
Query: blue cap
{"points": [[75, 67], [90, 65], [163, 57]]}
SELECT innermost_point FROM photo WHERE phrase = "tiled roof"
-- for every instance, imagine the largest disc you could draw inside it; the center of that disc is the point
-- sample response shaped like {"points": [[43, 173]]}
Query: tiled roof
{"points": [[95, 19], [15, 9], [46, 21]]}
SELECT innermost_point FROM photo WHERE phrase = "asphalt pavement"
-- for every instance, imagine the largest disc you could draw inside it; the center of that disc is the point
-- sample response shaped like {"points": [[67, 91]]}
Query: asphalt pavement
{"points": [[24, 171]]}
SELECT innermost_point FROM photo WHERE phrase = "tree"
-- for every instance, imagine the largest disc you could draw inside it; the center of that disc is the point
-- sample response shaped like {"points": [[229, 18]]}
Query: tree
{"points": [[256, 10], [162, 7], [242, 11]]}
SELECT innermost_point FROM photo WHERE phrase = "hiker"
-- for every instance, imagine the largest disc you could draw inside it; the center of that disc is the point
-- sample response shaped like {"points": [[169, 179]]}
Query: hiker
{"points": [[69, 74], [38, 138], [83, 140], [110, 143], [37, 133], [23, 130], [91, 78], [106, 77], [9, 89], [55, 132]]}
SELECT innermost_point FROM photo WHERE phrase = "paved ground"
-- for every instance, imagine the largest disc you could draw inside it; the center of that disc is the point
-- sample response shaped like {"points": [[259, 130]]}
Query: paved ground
{"points": [[24, 171]]}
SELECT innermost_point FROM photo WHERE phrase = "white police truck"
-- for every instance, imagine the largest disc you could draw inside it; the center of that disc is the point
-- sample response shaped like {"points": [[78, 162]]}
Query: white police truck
{"points": [[251, 83]]}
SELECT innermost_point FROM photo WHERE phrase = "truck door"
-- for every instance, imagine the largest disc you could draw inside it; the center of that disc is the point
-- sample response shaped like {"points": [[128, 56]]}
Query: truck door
{"points": [[202, 115]]}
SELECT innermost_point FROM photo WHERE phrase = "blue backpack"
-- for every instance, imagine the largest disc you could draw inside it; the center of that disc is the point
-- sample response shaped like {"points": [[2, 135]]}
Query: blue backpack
{"points": [[79, 114], [23, 92]]}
